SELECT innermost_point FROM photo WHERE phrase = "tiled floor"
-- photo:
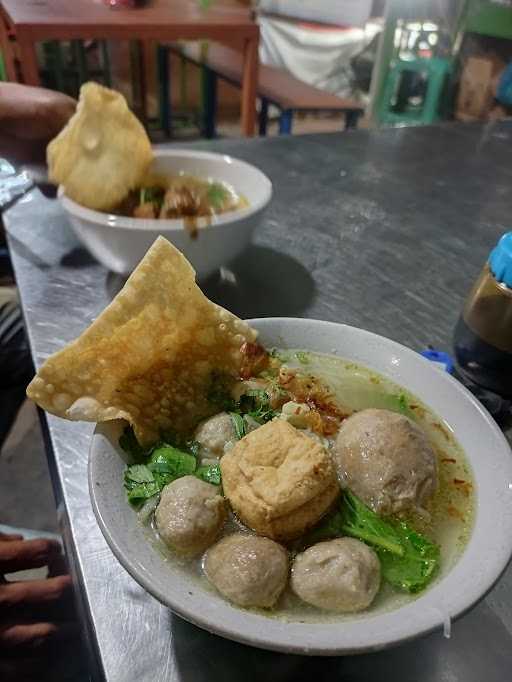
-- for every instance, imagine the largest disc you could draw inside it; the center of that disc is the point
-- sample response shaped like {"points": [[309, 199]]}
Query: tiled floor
{"points": [[302, 124], [26, 498]]}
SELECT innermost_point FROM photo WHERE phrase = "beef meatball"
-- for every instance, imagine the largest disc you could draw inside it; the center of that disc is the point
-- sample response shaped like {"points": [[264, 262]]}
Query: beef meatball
{"points": [[214, 434], [190, 515], [339, 575], [386, 460], [247, 569]]}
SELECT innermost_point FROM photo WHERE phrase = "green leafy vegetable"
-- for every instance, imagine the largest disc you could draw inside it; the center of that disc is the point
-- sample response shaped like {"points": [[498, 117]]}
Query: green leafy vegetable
{"points": [[302, 357], [187, 445], [165, 464], [219, 393], [140, 484], [402, 402], [217, 195], [403, 406], [210, 474], [153, 195], [408, 559], [192, 446], [418, 565], [256, 404], [361, 522], [330, 527], [238, 424], [396, 402], [168, 463], [138, 473]]}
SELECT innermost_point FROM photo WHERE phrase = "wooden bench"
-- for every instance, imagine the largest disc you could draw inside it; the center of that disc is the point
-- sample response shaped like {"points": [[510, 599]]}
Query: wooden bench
{"points": [[275, 86]]}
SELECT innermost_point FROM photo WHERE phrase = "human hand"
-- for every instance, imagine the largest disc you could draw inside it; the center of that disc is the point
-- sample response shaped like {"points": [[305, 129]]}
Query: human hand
{"points": [[29, 113], [34, 614], [29, 118]]}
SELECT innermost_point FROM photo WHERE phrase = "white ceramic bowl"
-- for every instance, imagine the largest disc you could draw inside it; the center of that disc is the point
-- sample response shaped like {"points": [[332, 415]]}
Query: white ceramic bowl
{"points": [[457, 589], [119, 242]]}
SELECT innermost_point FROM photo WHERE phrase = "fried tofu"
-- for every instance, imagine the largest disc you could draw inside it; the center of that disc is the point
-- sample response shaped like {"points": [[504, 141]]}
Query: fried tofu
{"points": [[279, 481]]}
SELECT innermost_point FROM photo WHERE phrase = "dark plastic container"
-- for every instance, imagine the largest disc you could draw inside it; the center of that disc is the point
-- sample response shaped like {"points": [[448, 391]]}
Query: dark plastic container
{"points": [[483, 335]]}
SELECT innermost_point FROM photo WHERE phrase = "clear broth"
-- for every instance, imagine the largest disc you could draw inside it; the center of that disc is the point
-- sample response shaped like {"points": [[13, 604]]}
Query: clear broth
{"points": [[451, 509]]}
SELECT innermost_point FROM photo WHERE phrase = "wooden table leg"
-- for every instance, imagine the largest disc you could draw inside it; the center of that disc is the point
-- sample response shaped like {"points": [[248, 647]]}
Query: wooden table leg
{"points": [[7, 48], [249, 85], [28, 59]]}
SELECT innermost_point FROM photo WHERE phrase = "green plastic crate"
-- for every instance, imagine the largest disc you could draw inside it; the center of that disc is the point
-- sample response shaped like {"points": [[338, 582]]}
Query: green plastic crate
{"points": [[490, 19], [437, 71]]}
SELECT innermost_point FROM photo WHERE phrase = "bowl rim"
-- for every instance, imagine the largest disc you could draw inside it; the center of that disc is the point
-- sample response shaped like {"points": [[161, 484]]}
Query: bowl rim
{"points": [[395, 630], [178, 224]]}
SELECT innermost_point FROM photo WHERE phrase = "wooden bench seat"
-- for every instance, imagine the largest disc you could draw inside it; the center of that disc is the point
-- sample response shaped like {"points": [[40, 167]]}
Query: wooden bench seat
{"points": [[275, 86]]}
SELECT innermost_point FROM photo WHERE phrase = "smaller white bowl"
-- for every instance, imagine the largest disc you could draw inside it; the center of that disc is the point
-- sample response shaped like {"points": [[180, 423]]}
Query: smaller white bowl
{"points": [[119, 242]]}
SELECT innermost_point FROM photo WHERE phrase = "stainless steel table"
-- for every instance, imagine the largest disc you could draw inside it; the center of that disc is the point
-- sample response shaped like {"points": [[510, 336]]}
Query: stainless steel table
{"points": [[383, 230]]}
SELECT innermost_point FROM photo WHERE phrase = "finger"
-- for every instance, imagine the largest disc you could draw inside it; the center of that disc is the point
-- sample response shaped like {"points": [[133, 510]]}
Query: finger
{"points": [[10, 536], [19, 555], [57, 566], [33, 592], [34, 636]]}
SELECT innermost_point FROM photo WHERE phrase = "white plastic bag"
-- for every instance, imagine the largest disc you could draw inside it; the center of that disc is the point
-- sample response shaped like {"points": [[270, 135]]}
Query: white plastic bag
{"points": [[339, 12]]}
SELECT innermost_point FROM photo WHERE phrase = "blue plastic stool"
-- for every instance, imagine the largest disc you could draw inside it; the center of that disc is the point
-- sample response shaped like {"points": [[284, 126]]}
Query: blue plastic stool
{"points": [[504, 93]]}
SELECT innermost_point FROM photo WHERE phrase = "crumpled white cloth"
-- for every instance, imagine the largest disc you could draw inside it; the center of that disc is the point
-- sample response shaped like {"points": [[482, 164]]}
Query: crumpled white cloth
{"points": [[318, 55]]}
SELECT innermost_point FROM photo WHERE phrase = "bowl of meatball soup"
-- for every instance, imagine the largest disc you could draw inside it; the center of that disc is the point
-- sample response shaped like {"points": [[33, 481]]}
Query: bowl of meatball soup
{"points": [[337, 499]]}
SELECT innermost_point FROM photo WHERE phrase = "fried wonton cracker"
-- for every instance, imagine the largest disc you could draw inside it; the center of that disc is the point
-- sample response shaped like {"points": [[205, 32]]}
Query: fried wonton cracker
{"points": [[102, 153], [149, 357]]}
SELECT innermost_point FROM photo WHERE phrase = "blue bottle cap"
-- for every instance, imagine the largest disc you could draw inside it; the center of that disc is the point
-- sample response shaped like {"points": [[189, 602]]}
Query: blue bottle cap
{"points": [[500, 260]]}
